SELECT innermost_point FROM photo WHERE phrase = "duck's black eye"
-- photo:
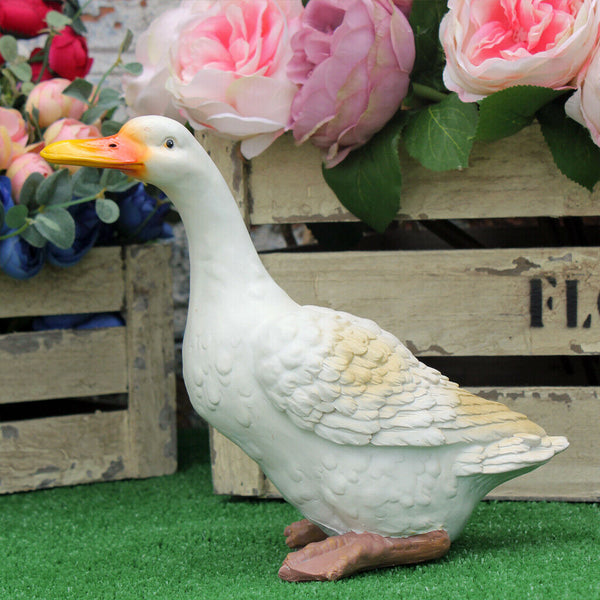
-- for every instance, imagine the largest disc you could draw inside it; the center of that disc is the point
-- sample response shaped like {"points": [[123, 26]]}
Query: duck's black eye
{"points": [[169, 142]]}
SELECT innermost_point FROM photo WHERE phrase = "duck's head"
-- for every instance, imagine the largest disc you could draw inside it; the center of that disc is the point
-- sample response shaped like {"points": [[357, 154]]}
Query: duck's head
{"points": [[154, 149]]}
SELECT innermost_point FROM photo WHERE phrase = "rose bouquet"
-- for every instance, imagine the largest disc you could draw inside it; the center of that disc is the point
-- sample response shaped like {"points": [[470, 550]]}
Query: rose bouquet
{"points": [[48, 215], [359, 77]]}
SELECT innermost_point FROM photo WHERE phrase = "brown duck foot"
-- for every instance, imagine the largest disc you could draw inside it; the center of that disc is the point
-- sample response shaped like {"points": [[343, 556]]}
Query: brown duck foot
{"points": [[343, 555], [300, 533]]}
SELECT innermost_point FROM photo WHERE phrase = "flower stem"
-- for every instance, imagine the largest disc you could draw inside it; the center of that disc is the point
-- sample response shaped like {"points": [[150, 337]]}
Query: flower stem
{"points": [[16, 232], [428, 93]]}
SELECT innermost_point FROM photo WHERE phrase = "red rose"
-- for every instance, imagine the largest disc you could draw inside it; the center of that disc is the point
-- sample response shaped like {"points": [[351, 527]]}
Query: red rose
{"points": [[68, 56], [23, 18]]}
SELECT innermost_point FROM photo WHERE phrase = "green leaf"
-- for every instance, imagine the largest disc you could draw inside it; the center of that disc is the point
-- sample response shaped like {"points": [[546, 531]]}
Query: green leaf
{"points": [[115, 181], [368, 181], [80, 89], [107, 210], [506, 112], [27, 197], [135, 68], [573, 150], [126, 41], [26, 87], [425, 17], [16, 216], [21, 70], [108, 98], [57, 226], [110, 127], [441, 135], [9, 48], [2, 211], [91, 115], [55, 189], [57, 20], [86, 182], [32, 236]]}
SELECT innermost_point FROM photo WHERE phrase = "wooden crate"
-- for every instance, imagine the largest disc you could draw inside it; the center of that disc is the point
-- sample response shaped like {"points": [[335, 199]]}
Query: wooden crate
{"points": [[41, 372], [499, 302]]}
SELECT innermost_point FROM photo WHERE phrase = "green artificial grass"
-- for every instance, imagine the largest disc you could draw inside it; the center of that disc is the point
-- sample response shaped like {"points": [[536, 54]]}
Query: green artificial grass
{"points": [[171, 538]]}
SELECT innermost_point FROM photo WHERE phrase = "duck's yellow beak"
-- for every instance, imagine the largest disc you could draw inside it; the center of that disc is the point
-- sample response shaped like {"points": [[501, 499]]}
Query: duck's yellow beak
{"points": [[118, 151]]}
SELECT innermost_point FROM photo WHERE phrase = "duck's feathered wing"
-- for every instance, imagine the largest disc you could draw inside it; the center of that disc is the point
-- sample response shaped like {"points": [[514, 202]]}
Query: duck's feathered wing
{"points": [[353, 383]]}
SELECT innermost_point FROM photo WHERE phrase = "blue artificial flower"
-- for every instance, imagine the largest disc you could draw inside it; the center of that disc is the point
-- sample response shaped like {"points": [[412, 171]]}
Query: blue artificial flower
{"points": [[19, 259], [142, 215], [79, 321], [87, 228], [6, 199]]}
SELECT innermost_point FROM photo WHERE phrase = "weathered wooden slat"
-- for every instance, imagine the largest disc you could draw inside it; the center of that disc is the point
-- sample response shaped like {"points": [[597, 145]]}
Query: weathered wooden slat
{"points": [[149, 318], [93, 285], [42, 453], [460, 302], [573, 475], [495, 185], [62, 364]]}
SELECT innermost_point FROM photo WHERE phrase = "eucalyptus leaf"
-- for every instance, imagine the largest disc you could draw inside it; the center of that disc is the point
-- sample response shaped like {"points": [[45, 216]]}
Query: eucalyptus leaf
{"points": [[368, 181], [86, 182], [91, 115], [27, 197], [21, 70], [32, 236], [55, 189], [56, 225], [110, 127], [9, 48], [506, 112], [107, 98], [135, 68], [107, 210], [16, 216], [79, 89], [441, 135], [115, 181], [57, 20], [573, 150], [26, 87]]}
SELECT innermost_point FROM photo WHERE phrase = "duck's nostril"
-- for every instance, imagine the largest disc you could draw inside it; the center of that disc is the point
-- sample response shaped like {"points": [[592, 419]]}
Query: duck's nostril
{"points": [[113, 145]]}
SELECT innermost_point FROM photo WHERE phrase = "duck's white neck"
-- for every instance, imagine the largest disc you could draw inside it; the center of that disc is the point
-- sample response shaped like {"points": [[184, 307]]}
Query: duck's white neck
{"points": [[227, 278]]}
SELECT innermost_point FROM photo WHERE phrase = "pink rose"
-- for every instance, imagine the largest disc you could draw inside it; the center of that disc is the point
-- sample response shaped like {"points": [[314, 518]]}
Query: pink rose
{"points": [[146, 94], [13, 135], [494, 44], [22, 167], [228, 70], [51, 103], [584, 104], [352, 60]]}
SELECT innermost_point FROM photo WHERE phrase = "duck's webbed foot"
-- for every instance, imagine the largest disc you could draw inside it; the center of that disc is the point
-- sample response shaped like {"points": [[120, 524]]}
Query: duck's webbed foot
{"points": [[303, 532], [343, 555]]}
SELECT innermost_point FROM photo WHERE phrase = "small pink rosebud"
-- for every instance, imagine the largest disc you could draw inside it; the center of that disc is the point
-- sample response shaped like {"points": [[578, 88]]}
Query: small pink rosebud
{"points": [[13, 135], [22, 167], [51, 103]]}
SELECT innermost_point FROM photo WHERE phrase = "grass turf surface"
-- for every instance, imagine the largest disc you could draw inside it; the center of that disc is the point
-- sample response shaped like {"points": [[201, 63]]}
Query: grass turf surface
{"points": [[171, 538]]}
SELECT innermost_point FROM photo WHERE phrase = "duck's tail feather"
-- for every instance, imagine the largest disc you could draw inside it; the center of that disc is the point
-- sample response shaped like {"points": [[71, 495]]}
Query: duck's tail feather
{"points": [[510, 454]]}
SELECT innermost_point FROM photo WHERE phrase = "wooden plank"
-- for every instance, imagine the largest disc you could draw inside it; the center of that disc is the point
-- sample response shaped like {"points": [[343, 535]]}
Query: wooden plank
{"points": [[42, 453], [538, 301], [573, 475], [95, 284], [62, 364], [149, 320], [513, 177]]}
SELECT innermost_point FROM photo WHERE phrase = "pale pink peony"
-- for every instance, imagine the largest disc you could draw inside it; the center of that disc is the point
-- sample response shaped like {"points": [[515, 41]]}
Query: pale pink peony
{"points": [[13, 135], [228, 69], [69, 129], [584, 104], [494, 44], [22, 167], [352, 61], [145, 94], [51, 103]]}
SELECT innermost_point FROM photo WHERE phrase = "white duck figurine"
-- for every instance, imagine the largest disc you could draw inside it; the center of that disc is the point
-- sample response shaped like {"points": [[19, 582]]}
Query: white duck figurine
{"points": [[384, 456]]}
